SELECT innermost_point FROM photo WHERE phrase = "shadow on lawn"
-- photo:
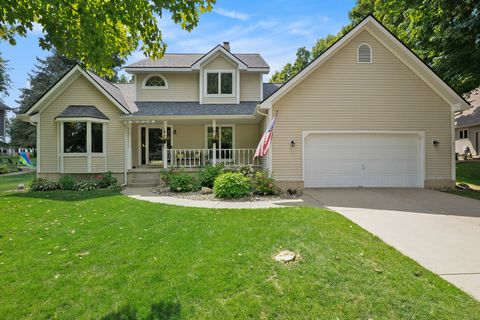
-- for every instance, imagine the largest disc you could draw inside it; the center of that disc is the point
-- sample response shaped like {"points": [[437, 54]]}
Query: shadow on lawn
{"points": [[158, 311], [69, 196]]}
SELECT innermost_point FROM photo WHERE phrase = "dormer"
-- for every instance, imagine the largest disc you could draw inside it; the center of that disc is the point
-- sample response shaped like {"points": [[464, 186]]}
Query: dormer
{"points": [[217, 77]]}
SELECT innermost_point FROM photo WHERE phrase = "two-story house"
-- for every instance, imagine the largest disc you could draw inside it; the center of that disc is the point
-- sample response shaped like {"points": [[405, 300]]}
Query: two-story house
{"points": [[367, 112], [3, 120]]}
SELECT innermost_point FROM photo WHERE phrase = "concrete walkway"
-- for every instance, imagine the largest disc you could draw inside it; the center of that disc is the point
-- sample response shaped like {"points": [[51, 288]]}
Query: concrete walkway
{"points": [[146, 195], [439, 230]]}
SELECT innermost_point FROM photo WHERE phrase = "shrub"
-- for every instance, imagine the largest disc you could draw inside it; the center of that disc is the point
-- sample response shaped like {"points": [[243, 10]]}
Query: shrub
{"points": [[183, 182], [87, 185], [263, 184], [247, 171], [42, 184], [67, 183], [232, 185], [208, 175], [165, 177], [3, 169], [107, 181]]}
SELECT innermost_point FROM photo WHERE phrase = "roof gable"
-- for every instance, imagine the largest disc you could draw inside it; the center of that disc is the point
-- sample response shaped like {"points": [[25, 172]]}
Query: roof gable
{"points": [[214, 53], [395, 46], [108, 89]]}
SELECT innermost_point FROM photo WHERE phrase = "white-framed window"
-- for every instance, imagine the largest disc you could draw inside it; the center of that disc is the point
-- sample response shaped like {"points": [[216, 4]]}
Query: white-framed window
{"points": [[155, 82], [82, 137], [364, 53], [463, 134], [219, 83]]}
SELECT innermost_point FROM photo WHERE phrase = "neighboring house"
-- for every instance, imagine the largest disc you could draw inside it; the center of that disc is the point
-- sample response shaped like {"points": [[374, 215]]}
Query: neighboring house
{"points": [[3, 120], [367, 112], [467, 126]]}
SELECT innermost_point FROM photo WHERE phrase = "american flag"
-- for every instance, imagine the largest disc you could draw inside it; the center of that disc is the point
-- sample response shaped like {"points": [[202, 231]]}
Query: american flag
{"points": [[264, 143]]}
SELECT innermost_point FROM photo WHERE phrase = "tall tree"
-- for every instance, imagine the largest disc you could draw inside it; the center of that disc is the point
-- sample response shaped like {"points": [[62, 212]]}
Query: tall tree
{"points": [[4, 78], [93, 32], [443, 33], [303, 58], [47, 72]]}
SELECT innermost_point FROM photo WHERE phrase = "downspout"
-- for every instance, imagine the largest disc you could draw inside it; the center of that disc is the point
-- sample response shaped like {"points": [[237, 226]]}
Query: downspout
{"points": [[260, 113], [125, 147]]}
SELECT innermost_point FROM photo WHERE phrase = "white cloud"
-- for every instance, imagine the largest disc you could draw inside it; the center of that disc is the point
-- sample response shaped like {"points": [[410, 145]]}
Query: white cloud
{"points": [[232, 14]]}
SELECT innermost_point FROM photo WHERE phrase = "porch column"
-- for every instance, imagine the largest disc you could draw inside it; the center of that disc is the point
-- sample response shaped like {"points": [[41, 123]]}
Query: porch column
{"points": [[129, 155], [214, 144], [165, 146]]}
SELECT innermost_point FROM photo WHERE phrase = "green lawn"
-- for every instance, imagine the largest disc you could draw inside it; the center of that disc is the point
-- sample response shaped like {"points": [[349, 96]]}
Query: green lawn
{"points": [[101, 255], [10, 182], [469, 173]]}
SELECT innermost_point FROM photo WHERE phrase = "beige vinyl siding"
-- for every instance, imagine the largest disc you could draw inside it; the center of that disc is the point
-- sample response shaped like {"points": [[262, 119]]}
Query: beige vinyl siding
{"points": [[80, 92], [75, 164], [345, 95], [189, 137], [250, 86], [182, 86], [220, 63], [247, 136], [97, 164]]}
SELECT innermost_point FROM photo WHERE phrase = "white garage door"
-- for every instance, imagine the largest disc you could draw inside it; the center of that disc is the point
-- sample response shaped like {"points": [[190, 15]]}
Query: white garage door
{"points": [[363, 159]]}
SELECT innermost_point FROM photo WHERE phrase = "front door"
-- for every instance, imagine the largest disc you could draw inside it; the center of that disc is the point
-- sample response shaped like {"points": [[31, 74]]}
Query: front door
{"points": [[225, 141], [152, 144]]}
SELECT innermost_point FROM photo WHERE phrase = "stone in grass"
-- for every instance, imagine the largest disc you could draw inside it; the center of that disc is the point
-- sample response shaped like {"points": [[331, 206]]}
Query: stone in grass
{"points": [[21, 186], [286, 256], [206, 190]]}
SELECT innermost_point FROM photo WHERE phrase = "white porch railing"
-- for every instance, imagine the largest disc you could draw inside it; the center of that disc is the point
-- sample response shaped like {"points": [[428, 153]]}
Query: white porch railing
{"points": [[195, 158]]}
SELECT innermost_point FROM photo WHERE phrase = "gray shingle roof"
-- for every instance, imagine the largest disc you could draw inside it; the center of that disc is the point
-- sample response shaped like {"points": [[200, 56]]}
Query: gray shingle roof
{"points": [[270, 88], [472, 115], [186, 60], [3, 106], [111, 89], [82, 112], [193, 109]]}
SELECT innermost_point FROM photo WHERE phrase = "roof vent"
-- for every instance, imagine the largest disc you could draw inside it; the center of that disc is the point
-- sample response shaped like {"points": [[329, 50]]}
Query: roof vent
{"points": [[226, 45], [364, 53]]}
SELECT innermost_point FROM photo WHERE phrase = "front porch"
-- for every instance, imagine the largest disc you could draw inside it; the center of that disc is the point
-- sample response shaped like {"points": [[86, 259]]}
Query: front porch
{"points": [[157, 145]]}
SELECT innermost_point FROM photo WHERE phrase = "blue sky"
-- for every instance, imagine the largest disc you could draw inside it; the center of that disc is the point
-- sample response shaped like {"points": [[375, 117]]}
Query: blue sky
{"points": [[273, 28]]}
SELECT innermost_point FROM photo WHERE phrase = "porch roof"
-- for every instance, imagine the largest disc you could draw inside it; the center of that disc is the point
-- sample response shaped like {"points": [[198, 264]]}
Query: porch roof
{"points": [[146, 109]]}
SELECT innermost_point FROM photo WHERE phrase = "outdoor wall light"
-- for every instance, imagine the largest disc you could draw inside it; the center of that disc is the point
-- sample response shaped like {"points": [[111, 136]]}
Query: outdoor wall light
{"points": [[292, 144], [435, 143]]}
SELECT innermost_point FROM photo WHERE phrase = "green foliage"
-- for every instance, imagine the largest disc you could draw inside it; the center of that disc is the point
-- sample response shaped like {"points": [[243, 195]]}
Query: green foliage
{"points": [[289, 70], [9, 164], [3, 169], [97, 33], [208, 175], [183, 182], [263, 184], [88, 185], [42, 184], [443, 33], [247, 171], [232, 185], [107, 181], [4, 76], [67, 183]]}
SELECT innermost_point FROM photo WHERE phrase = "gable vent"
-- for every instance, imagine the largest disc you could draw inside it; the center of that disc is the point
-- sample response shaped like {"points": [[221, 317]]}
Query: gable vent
{"points": [[364, 53]]}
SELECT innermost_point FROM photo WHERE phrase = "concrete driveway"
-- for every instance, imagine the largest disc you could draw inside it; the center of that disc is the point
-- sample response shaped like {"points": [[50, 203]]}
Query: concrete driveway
{"points": [[439, 230]]}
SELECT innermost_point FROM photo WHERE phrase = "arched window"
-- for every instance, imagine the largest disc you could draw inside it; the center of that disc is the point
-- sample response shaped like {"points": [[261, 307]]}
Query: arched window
{"points": [[155, 82], [364, 53]]}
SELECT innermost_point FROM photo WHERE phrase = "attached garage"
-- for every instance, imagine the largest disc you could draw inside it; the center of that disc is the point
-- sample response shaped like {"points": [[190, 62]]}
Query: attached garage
{"points": [[363, 159]]}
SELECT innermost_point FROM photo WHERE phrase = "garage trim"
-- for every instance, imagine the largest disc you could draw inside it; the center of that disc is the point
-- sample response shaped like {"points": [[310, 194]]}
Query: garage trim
{"points": [[421, 135]]}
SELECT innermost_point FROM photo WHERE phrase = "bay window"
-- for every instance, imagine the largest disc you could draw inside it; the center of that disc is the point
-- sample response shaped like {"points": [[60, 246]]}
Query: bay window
{"points": [[82, 137]]}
